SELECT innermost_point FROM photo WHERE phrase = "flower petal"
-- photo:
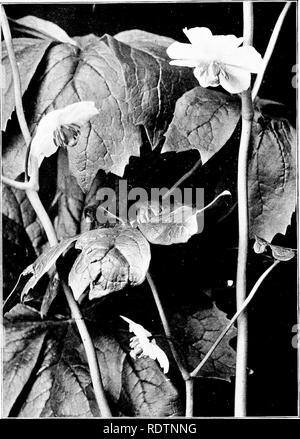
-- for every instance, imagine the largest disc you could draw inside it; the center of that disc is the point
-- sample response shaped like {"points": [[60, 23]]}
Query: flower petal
{"points": [[182, 51], [185, 62], [229, 41], [236, 79], [198, 35], [79, 113], [136, 328], [42, 144], [245, 57]]}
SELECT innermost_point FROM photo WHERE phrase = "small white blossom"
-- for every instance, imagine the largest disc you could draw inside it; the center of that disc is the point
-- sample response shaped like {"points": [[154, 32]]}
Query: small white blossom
{"points": [[217, 59], [141, 346], [60, 127]]}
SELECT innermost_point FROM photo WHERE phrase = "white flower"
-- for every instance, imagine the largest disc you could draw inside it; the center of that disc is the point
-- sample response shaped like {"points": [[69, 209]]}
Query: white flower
{"points": [[60, 127], [142, 346], [217, 59]]}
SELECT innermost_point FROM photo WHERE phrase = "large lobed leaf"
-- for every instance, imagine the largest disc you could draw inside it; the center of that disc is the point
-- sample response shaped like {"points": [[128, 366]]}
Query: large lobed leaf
{"points": [[110, 259], [168, 222], [153, 84], [46, 375], [131, 88], [197, 331], [18, 212], [204, 119], [22, 235], [271, 176], [29, 53]]}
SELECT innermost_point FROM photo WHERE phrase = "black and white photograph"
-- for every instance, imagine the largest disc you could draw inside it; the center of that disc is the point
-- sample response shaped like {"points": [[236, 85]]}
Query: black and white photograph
{"points": [[149, 212]]}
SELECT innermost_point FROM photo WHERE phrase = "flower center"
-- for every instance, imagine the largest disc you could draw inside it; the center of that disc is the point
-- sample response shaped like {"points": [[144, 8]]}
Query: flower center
{"points": [[66, 135], [212, 72]]}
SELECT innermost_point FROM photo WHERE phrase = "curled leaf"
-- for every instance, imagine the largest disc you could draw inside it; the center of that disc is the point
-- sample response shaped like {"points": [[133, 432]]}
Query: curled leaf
{"points": [[110, 259], [260, 245], [43, 263], [278, 252], [42, 28], [282, 253]]}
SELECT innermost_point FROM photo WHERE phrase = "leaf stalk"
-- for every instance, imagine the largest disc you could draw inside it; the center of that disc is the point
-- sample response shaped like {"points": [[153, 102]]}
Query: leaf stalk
{"points": [[270, 49], [252, 293], [182, 369]]}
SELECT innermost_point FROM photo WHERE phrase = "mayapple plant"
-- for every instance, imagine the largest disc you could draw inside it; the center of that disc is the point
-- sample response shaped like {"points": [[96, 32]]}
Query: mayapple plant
{"points": [[95, 103]]}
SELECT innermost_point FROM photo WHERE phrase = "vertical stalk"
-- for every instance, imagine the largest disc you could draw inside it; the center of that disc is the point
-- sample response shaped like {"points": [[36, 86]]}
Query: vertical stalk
{"points": [[16, 77], [42, 215], [90, 353], [189, 381], [240, 400]]}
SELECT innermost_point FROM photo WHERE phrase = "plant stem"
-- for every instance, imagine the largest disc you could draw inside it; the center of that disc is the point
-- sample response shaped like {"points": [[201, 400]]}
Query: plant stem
{"points": [[270, 49], [22, 185], [241, 282], [75, 311], [234, 318], [183, 371], [33, 184], [189, 397], [43, 216], [90, 353], [242, 191], [49, 229], [182, 179], [222, 194], [16, 77]]}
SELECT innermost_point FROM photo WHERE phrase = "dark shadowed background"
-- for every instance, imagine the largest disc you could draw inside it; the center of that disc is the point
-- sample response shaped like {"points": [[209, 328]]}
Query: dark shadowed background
{"points": [[209, 259]]}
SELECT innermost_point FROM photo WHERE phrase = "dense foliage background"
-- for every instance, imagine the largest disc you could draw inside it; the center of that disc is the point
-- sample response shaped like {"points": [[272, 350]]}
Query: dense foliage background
{"points": [[198, 271]]}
